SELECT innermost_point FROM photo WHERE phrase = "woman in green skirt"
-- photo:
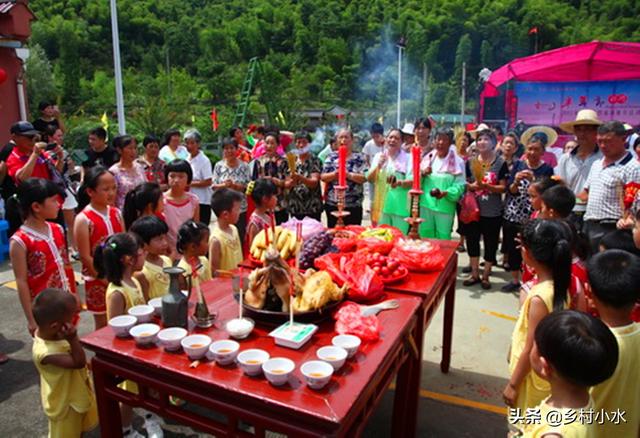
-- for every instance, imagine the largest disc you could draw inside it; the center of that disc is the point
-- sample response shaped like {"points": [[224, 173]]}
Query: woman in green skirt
{"points": [[389, 172], [443, 183]]}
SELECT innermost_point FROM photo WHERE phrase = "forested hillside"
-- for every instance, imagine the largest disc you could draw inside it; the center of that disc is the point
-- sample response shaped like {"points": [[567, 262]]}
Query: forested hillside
{"points": [[181, 58]]}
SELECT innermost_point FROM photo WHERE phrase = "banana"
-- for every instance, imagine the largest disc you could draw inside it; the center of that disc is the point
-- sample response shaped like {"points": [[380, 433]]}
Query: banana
{"points": [[284, 252], [293, 243], [282, 238]]}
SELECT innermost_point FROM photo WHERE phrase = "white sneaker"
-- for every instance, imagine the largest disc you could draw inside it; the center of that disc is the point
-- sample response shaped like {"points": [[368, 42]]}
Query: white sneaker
{"points": [[153, 427], [132, 434]]}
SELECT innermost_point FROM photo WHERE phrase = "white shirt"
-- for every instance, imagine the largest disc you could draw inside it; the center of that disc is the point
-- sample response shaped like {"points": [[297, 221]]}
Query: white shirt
{"points": [[606, 185], [400, 163], [575, 171], [201, 167], [370, 150], [167, 155]]}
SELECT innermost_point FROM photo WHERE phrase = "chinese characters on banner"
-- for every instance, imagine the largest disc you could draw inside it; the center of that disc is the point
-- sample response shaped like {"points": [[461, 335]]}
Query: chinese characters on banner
{"points": [[552, 103]]}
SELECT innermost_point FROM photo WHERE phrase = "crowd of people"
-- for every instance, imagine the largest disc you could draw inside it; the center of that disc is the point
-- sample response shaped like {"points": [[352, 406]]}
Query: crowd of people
{"points": [[567, 224]]}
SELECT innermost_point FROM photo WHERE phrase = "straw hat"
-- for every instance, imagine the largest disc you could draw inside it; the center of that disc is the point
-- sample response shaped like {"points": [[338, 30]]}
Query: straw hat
{"points": [[584, 117], [408, 129], [552, 135], [480, 127]]}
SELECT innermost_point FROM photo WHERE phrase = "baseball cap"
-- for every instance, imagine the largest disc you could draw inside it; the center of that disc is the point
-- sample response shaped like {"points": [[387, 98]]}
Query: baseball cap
{"points": [[23, 128]]}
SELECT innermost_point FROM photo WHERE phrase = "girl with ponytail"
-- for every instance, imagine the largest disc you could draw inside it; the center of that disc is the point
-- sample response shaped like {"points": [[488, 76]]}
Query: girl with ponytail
{"points": [[546, 247]]}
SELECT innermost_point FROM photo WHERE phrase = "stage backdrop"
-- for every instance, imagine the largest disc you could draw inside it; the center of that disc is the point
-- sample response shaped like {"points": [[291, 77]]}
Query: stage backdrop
{"points": [[552, 103]]}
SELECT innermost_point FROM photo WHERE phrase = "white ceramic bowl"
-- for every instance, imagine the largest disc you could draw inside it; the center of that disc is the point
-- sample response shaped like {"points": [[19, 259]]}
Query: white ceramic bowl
{"points": [[336, 356], [251, 361], [196, 346], [223, 352], [278, 370], [170, 337], [239, 328], [143, 312], [145, 334], [156, 303], [317, 373], [350, 343], [122, 324]]}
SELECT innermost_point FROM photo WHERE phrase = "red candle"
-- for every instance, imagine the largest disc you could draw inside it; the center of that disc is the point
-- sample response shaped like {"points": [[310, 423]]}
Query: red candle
{"points": [[299, 231], [266, 234], [342, 165], [273, 223], [415, 154]]}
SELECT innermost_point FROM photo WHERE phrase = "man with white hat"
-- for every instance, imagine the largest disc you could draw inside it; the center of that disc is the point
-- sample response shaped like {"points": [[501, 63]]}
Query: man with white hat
{"points": [[604, 187], [574, 166]]}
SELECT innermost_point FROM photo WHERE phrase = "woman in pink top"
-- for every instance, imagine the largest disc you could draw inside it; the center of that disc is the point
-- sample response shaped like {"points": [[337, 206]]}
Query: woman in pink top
{"points": [[128, 173], [179, 204]]}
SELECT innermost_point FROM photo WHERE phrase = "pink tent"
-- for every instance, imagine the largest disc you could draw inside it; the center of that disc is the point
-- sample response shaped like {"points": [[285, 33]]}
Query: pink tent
{"points": [[594, 61]]}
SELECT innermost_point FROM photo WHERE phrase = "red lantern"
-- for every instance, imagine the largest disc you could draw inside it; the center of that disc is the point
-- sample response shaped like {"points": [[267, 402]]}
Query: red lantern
{"points": [[3, 75]]}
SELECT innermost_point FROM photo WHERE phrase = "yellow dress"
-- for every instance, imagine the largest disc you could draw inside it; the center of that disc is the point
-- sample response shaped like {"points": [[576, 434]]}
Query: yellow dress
{"points": [[533, 388], [562, 421], [132, 294], [204, 272], [67, 397], [158, 280], [132, 297], [230, 247], [622, 390]]}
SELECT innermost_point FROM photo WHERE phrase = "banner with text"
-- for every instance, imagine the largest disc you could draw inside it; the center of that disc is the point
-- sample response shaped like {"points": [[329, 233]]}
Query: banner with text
{"points": [[552, 103]]}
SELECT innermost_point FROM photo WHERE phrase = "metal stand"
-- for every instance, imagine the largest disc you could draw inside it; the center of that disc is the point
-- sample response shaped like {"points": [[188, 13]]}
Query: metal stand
{"points": [[340, 198], [414, 220]]}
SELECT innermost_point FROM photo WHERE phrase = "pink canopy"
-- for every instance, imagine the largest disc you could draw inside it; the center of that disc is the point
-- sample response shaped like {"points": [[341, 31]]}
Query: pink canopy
{"points": [[594, 61]]}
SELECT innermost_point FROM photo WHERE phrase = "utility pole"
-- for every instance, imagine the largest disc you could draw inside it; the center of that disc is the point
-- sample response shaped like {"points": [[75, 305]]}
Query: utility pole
{"points": [[425, 87], [122, 127], [463, 94], [401, 45]]}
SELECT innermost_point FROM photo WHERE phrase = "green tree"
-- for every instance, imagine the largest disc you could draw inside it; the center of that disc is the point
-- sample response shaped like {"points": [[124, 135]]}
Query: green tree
{"points": [[40, 81]]}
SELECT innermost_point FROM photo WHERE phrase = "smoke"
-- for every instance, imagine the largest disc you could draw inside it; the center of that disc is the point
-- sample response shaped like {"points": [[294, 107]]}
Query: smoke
{"points": [[378, 81]]}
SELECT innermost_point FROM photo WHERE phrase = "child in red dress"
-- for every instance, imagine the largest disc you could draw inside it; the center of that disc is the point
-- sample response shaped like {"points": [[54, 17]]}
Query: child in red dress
{"points": [[93, 225], [38, 249]]}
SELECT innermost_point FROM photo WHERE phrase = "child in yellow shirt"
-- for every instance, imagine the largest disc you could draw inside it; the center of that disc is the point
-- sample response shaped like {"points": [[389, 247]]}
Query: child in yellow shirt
{"points": [[67, 397], [614, 278], [546, 248], [225, 247], [572, 351], [155, 241], [193, 242], [116, 260]]}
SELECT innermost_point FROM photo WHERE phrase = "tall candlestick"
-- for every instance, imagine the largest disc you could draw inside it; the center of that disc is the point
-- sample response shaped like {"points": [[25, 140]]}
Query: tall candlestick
{"points": [[291, 298], [342, 165], [415, 153]]}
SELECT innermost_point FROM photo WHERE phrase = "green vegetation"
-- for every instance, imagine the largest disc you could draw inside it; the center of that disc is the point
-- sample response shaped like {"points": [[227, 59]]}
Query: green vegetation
{"points": [[181, 58]]}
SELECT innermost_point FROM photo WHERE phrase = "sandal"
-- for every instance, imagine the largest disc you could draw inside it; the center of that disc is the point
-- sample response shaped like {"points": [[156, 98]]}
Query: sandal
{"points": [[485, 283], [471, 281], [461, 248]]}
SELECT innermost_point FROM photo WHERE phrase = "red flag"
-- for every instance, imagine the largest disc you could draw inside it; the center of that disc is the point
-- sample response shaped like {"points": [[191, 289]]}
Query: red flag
{"points": [[533, 30], [214, 119]]}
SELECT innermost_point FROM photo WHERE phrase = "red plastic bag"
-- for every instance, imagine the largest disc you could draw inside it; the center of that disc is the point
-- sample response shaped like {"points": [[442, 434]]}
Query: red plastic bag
{"points": [[333, 263], [366, 285], [349, 320], [376, 244], [373, 244], [469, 210], [418, 255], [345, 245]]}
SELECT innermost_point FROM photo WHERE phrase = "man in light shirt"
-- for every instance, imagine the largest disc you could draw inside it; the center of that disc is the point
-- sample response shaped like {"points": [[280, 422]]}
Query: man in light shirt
{"points": [[575, 165]]}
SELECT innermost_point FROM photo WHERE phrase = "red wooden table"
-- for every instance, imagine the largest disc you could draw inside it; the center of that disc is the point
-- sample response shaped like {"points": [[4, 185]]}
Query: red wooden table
{"points": [[431, 288], [342, 408]]}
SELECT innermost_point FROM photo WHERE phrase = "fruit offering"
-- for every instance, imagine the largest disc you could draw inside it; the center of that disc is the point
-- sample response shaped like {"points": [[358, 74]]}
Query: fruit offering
{"points": [[379, 233], [388, 268], [284, 239], [314, 247]]}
